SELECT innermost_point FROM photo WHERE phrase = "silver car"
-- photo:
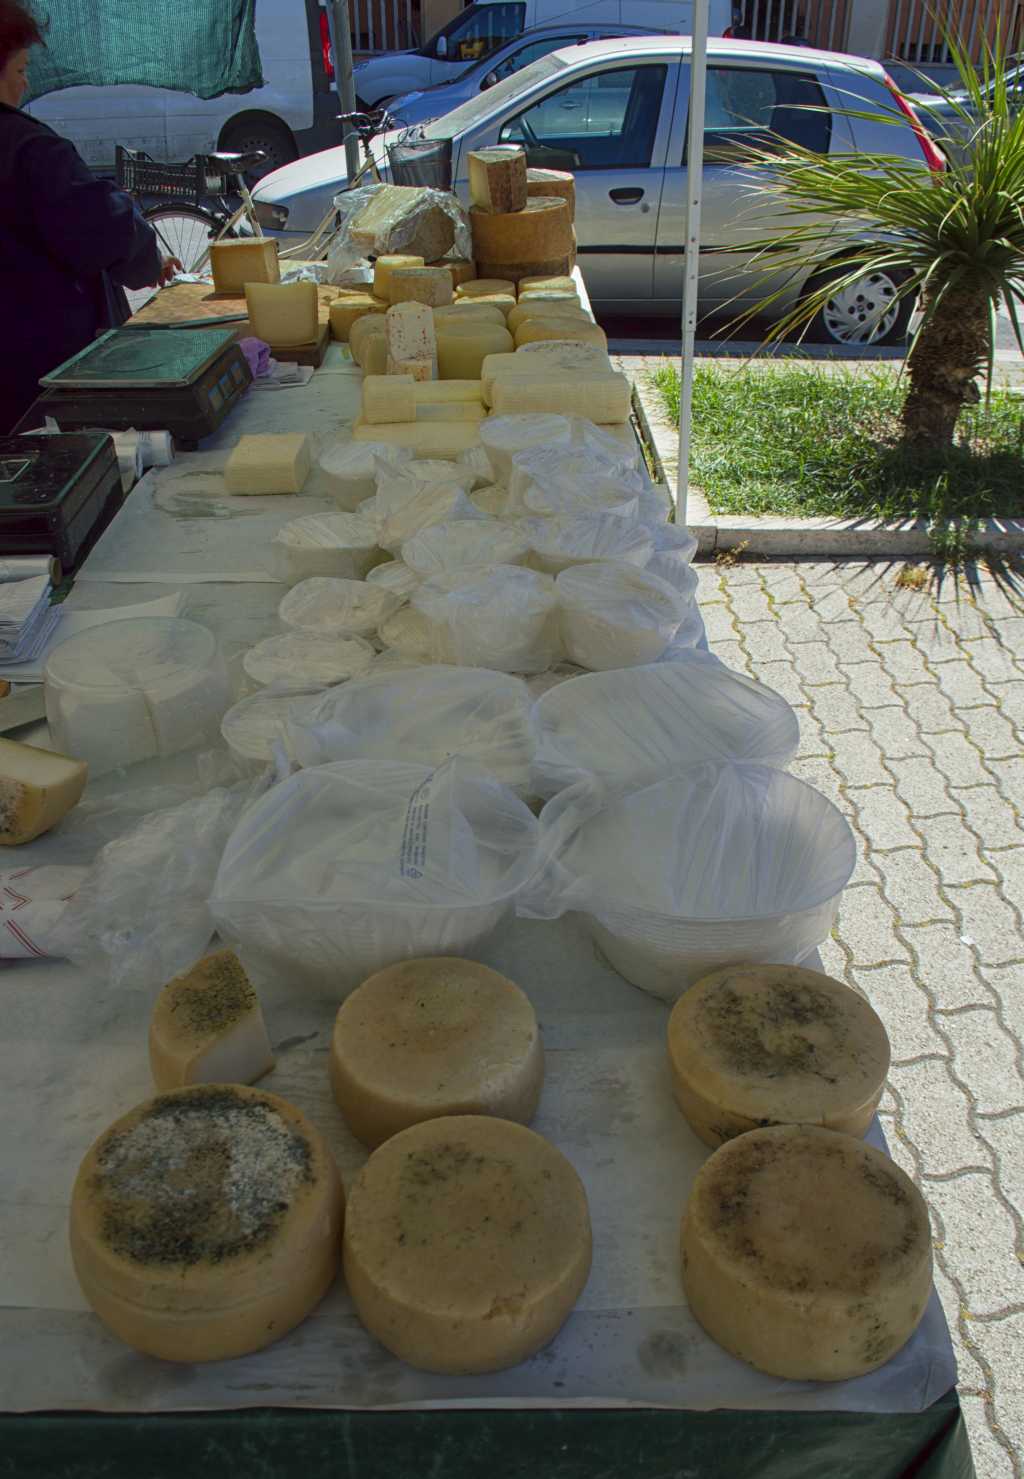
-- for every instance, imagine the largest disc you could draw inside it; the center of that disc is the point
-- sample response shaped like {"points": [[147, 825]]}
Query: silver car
{"points": [[615, 113]]}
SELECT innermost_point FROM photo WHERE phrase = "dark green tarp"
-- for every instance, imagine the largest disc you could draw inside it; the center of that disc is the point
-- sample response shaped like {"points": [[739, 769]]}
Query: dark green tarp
{"points": [[205, 47]]}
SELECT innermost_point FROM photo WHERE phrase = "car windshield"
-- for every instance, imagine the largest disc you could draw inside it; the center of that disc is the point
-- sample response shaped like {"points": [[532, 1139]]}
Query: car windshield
{"points": [[484, 103]]}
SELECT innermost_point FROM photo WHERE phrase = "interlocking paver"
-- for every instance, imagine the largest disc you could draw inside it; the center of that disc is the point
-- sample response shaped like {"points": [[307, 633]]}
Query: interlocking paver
{"points": [[750, 603], [858, 759], [911, 887], [719, 623], [994, 661], [1010, 698], [951, 846], [978, 1240], [904, 663], [991, 815], [991, 1459], [1005, 982], [904, 1008], [816, 663], [922, 787], [867, 927], [764, 641], [989, 922], [837, 708], [882, 816], [1005, 1136], [958, 759], [946, 968], [986, 1058], [870, 685], [971, 1373], [993, 733], [963, 684], [782, 676], [936, 1117], [896, 734], [1003, 1342]]}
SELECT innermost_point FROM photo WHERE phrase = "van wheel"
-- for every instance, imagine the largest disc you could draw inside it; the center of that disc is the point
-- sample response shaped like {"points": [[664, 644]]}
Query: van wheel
{"points": [[243, 135], [868, 311]]}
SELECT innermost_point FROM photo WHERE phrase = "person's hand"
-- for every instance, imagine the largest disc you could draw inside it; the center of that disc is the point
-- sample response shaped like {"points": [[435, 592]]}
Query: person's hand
{"points": [[169, 268]]}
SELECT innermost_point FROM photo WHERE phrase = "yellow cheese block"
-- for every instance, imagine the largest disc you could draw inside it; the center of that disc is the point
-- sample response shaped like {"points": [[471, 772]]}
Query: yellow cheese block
{"points": [[775, 1044], [285, 315], [558, 284], [207, 1027], [806, 1253], [461, 269], [443, 439], [389, 398], [365, 328], [497, 179], [429, 285], [465, 309], [206, 1223], [374, 359], [345, 312], [467, 1244], [37, 790], [451, 411], [575, 330], [601, 398], [234, 263], [434, 1037], [461, 351], [268, 463], [560, 361], [485, 287], [384, 267], [529, 308]]}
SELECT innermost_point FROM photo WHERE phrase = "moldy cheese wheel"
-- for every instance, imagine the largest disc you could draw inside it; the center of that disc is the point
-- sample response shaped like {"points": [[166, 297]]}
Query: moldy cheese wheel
{"points": [[467, 1244], [434, 1037], [806, 1253], [206, 1223], [775, 1044]]}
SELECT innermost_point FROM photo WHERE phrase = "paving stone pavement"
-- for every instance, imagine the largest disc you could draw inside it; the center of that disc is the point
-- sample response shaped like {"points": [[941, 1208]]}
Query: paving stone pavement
{"points": [[911, 706]]}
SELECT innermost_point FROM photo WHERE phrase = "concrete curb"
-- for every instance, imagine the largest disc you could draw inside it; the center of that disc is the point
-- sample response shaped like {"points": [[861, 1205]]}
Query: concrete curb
{"points": [[791, 538]]}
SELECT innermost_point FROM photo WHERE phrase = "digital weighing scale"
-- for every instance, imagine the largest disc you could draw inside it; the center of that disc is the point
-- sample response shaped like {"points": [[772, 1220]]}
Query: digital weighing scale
{"points": [[57, 494], [184, 381]]}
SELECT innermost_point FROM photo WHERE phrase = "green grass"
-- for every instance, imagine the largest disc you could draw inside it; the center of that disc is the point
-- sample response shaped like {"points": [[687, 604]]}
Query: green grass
{"points": [[807, 442]]}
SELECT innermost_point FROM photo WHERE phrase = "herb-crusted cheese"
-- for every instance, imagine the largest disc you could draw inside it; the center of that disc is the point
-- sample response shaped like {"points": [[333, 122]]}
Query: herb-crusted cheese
{"points": [[775, 1044], [467, 1244], [206, 1223], [207, 1027], [806, 1253]]}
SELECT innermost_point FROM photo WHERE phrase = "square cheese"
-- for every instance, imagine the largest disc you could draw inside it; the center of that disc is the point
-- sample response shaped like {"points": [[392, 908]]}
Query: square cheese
{"points": [[285, 315], [269, 463], [234, 263]]}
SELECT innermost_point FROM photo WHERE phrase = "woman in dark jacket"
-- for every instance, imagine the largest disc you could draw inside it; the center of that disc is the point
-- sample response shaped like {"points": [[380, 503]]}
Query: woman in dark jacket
{"points": [[69, 243]]}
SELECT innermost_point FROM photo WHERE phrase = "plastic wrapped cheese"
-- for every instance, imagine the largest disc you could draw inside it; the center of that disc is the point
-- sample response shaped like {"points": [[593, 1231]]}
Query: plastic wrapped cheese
{"points": [[463, 545], [396, 577], [491, 500], [477, 460], [411, 635], [556, 544], [253, 727], [503, 617], [301, 657], [616, 616], [503, 436], [437, 503], [430, 470], [351, 469], [325, 544], [331, 607]]}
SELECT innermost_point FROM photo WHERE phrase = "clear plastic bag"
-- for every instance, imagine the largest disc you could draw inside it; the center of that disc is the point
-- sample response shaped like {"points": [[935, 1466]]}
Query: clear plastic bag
{"points": [[465, 544], [340, 608], [381, 220], [436, 503], [616, 616], [478, 462], [344, 869], [570, 467], [423, 717], [557, 544], [504, 618], [633, 727], [351, 469], [722, 864], [301, 658], [503, 437], [411, 639], [341, 544], [396, 577], [254, 728]]}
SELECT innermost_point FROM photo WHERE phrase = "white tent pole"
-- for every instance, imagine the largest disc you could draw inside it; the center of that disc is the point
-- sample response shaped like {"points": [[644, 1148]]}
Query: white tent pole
{"points": [[341, 35], [691, 264]]}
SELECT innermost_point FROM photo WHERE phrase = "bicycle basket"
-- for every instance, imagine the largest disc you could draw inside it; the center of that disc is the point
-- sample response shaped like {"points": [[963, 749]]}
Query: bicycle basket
{"points": [[142, 175], [422, 162]]}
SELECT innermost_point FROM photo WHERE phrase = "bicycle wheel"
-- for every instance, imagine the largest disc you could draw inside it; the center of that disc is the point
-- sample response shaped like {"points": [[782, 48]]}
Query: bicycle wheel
{"points": [[184, 231]]}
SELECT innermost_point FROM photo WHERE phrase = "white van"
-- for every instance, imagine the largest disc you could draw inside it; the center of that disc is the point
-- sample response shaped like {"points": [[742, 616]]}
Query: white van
{"points": [[487, 24], [294, 112]]}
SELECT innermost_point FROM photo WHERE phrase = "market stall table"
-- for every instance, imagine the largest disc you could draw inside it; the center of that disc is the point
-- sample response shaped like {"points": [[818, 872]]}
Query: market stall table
{"points": [[631, 1385]]}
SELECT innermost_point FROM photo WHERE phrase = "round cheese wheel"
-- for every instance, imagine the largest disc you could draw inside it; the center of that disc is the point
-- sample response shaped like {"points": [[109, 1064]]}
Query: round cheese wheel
{"points": [[434, 1037], [485, 287], [775, 1045], [467, 1244], [206, 1223], [806, 1253]]}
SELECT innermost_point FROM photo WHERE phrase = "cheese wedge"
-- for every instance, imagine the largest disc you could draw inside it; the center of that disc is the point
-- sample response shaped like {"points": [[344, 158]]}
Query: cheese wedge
{"points": [[467, 1244], [207, 1027], [234, 263], [206, 1223], [285, 315], [497, 179], [384, 267], [429, 285], [37, 790], [775, 1044], [806, 1253]]}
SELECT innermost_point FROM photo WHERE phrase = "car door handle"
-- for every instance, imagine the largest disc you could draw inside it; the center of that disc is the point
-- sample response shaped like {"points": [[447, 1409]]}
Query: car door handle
{"points": [[626, 196]]}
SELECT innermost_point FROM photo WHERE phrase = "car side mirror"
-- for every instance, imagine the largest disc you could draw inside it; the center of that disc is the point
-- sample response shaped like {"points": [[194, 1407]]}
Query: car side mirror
{"points": [[488, 81], [441, 48]]}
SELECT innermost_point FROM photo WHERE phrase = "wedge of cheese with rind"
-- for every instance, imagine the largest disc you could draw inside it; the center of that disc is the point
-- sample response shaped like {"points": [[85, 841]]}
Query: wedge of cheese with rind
{"points": [[207, 1027], [37, 790]]}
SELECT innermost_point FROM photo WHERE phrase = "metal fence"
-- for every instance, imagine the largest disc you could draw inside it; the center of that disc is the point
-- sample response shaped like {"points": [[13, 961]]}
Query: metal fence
{"points": [[382, 25], [916, 27], [821, 22]]}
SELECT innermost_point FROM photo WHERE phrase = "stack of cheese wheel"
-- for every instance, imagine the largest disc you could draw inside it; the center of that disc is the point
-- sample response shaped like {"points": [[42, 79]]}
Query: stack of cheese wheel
{"points": [[515, 235], [467, 1244], [206, 1223], [434, 1037], [775, 1044], [806, 1253]]}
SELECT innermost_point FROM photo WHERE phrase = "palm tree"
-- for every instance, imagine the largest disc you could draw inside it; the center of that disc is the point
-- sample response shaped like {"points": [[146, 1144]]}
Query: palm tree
{"points": [[954, 238]]}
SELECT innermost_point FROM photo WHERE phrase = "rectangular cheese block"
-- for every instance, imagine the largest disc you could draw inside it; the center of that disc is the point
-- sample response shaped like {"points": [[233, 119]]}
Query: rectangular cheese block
{"points": [[425, 439], [451, 411], [410, 335], [462, 269], [576, 330], [461, 352], [389, 398], [402, 218], [374, 360], [445, 392], [286, 315], [430, 285], [234, 263], [598, 398], [384, 267], [558, 358], [497, 179], [37, 790], [269, 462], [344, 312]]}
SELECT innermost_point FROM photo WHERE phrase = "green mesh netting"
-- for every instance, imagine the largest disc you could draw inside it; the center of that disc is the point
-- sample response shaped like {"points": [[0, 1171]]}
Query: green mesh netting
{"points": [[205, 47]]}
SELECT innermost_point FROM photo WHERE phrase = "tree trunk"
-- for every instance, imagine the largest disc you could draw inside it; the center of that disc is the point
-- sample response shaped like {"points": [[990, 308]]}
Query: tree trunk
{"points": [[947, 359]]}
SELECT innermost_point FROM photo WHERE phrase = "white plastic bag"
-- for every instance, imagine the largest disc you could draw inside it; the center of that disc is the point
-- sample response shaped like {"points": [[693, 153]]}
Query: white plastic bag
{"points": [[423, 717], [341, 608], [255, 726], [616, 616], [630, 728], [722, 864], [302, 658], [424, 470], [344, 869], [569, 469], [423, 217], [437, 503], [396, 577], [503, 618], [502, 437], [351, 469], [325, 544], [411, 637], [464, 544], [491, 500], [478, 462], [557, 544], [672, 541]]}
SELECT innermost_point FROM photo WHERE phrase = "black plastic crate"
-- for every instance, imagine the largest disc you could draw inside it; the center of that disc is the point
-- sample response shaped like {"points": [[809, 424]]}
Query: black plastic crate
{"points": [[140, 174]]}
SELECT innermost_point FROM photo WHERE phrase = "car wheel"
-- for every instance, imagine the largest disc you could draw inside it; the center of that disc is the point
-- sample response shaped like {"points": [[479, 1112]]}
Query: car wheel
{"points": [[868, 311], [274, 139]]}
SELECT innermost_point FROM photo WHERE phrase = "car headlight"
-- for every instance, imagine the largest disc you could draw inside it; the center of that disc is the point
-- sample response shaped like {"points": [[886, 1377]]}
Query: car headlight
{"points": [[274, 217]]}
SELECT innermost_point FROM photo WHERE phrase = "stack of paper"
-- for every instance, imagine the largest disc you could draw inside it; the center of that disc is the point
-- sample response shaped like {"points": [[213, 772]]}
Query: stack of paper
{"points": [[27, 619]]}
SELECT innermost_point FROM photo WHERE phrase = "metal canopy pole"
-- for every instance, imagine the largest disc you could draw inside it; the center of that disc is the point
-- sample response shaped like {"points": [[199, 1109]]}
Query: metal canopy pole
{"points": [[691, 265], [341, 27]]}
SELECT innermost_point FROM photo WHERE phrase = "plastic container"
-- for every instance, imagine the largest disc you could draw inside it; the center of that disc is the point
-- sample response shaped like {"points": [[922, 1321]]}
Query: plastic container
{"points": [[253, 727], [504, 618], [340, 608], [637, 726], [344, 869], [723, 864], [351, 469], [134, 690], [616, 616], [464, 544], [300, 657], [558, 544], [344, 545]]}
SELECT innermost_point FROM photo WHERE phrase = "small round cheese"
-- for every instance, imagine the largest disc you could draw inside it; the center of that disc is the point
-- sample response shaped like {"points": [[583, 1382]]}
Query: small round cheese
{"points": [[806, 1253], [206, 1223], [433, 1037], [775, 1044], [467, 1244]]}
